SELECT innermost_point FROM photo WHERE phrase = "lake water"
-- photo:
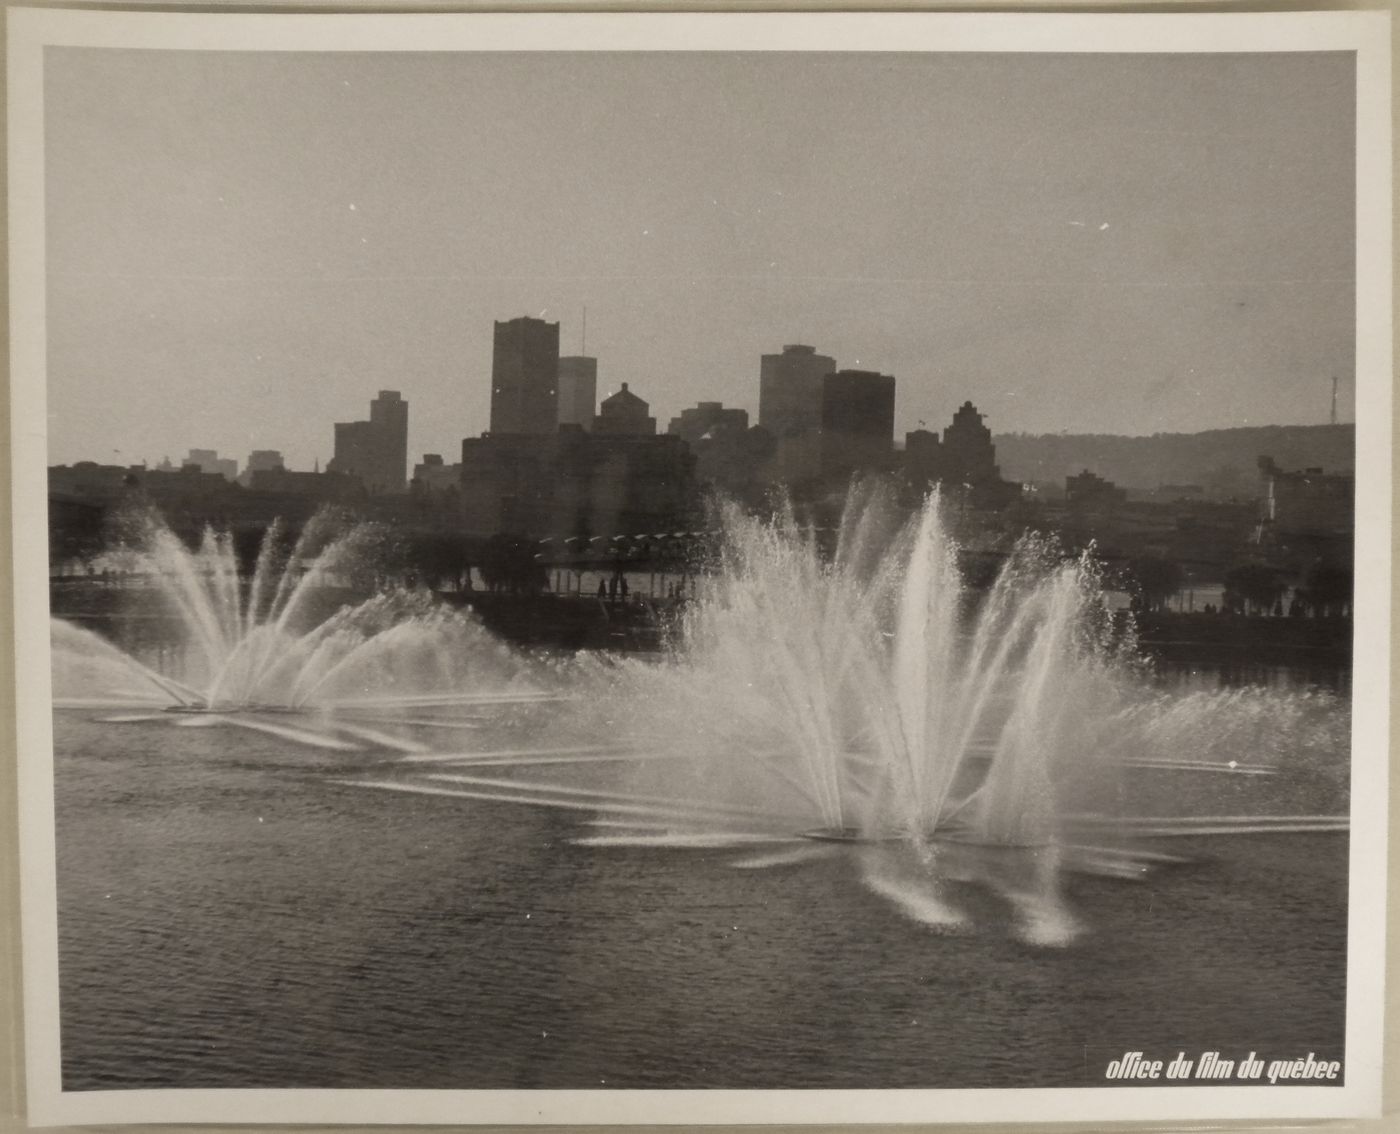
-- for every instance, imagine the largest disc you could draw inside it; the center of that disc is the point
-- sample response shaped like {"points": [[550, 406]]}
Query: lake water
{"points": [[238, 909]]}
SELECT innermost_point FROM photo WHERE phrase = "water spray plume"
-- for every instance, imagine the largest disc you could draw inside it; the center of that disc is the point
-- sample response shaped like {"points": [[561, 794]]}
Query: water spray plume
{"points": [[858, 687], [864, 693], [841, 693], [267, 642]]}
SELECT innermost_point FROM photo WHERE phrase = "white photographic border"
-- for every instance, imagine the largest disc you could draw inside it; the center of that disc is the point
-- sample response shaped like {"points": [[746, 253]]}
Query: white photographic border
{"points": [[1365, 33]]}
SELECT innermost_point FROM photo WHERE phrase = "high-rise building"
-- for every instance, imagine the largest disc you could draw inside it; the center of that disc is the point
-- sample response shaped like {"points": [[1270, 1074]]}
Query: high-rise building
{"points": [[525, 377], [376, 450], [968, 452], [857, 417], [964, 462], [577, 390], [790, 390]]}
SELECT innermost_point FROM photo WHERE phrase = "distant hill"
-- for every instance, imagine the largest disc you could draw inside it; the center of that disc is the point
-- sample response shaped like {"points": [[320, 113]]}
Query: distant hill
{"points": [[1221, 460]]}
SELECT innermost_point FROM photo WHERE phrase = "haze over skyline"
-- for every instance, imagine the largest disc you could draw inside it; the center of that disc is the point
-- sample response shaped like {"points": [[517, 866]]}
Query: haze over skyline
{"points": [[244, 248]]}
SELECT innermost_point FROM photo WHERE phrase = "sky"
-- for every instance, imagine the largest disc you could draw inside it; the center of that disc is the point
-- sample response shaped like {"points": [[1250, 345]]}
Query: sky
{"points": [[243, 248]]}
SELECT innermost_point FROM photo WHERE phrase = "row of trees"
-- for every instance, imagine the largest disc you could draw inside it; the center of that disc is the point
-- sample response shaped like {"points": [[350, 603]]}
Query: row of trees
{"points": [[513, 563], [1250, 588]]}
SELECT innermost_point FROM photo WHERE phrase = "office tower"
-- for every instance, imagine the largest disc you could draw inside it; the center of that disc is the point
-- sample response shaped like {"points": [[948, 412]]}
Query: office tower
{"points": [[577, 390], [525, 377], [968, 453], [376, 450], [963, 462], [790, 390], [857, 422]]}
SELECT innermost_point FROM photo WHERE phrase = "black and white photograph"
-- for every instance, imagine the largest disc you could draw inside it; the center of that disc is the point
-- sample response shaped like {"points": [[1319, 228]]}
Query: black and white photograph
{"points": [[714, 568]]}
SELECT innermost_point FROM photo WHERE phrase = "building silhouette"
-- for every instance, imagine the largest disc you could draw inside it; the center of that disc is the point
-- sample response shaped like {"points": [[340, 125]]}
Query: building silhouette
{"points": [[208, 460], [525, 377], [624, 414], [1090, 492], [729, 455], [435, 494], [968, 453], [577, 390], [964, 459], [790, 410], [327, 487], [857, 423], [90, 481], [432, 476], [923, 459], [375, 451], [1307, 514], [551, 466], [790, 390], [260, 460], [708, 421], [574, 483]]}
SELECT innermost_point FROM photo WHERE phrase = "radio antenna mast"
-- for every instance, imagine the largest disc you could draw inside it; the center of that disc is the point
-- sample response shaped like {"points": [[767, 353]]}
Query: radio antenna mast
{"points": [[1334, 399]]}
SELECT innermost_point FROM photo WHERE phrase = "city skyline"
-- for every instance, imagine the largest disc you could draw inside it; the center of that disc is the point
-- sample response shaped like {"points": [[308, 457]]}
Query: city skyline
{"points": [[197, 455], [248, 246]]}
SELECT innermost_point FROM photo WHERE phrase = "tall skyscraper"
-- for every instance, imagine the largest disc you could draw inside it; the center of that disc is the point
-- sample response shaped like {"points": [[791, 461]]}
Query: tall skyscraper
{"points": [[968, 453], [376, 450], [790, 390], [525, 377], [388, 414], [857, 421], [578, 390], [964, 461]]}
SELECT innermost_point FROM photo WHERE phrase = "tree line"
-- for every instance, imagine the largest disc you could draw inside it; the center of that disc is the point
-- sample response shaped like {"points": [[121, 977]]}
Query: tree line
{"points": [[1325, 590]]}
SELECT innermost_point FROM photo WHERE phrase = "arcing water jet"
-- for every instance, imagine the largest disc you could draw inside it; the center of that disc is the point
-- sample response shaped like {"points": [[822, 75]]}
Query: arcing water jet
{"points": [[260, 643]]}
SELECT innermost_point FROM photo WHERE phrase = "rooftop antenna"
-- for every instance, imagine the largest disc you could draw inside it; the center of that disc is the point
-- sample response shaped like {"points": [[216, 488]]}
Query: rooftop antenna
{"points": [[1334, 399], [583, 336]]}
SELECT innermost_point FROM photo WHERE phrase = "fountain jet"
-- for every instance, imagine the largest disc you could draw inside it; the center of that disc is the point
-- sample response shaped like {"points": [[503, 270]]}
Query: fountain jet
{"points": [[872, 695], [265, 643]]}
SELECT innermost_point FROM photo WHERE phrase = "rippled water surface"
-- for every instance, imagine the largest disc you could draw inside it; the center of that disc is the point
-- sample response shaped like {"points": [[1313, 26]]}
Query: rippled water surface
{"points": [[237, 910]]}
